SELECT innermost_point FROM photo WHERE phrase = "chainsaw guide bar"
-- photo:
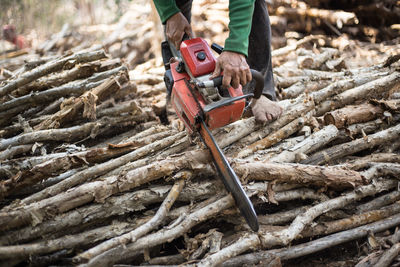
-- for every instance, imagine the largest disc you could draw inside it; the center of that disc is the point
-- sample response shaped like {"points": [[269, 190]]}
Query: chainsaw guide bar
{"points": [[188, 79]]}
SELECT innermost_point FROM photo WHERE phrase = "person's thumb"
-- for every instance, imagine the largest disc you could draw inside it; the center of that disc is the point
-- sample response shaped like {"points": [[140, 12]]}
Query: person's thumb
{"points": [[217, 71], [188, 31]]}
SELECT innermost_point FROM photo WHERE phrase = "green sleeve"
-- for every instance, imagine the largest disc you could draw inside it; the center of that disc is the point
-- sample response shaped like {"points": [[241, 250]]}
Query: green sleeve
{"points": [[165, 9], [240, 17]]}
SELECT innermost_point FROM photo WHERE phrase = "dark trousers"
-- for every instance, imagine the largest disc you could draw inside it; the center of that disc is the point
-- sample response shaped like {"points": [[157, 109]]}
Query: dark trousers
{"points": [[259, 52]]}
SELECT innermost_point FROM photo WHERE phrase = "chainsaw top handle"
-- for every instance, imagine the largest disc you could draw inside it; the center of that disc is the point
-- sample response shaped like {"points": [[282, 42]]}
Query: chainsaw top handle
{"points": [[256, 76]]}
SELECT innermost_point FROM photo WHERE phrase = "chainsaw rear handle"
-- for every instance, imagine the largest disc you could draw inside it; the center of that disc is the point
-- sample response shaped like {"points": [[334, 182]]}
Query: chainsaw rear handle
{"points": [[256, 76]]}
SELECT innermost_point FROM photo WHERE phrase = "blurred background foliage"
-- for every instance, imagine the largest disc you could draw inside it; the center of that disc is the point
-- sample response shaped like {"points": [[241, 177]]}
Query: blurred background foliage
{"points": [[37, 19]]}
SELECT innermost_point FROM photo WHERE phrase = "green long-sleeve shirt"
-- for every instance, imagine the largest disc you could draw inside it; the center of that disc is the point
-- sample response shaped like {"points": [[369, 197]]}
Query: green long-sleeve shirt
{"points": [[240, 16]]}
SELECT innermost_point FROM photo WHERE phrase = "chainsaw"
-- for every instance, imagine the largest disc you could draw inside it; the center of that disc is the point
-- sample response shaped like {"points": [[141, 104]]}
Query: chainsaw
{"points": [[203, 104]]}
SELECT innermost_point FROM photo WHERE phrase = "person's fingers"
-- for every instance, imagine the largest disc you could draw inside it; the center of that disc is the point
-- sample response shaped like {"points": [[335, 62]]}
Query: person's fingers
{"points": [[217, 71], [249, 77], [243, 76], [235, 80], [189, 32], [226, 80]]}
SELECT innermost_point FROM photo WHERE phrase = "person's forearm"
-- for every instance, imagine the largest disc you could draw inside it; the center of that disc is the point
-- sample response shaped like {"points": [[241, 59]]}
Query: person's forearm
{"points": [[166, 9], [240, 16]]}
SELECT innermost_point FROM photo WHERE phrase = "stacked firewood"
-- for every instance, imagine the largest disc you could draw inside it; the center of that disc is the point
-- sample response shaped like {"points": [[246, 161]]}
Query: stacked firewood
{"points": [[89, 176]]}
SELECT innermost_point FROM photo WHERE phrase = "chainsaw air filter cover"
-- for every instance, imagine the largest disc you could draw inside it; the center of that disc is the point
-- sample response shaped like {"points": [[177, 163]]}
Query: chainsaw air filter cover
{"points": [[198, 56]]}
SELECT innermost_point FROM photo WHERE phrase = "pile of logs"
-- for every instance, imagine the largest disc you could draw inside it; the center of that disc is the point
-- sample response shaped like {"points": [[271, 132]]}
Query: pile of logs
{"points": [[372, 20], [89, 176]]}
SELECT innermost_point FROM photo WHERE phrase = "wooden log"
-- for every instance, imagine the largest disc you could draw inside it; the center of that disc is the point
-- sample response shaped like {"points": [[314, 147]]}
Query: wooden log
{"points": [[237, 248], [287, 235], [114, 205], [395, 237], [308, 145], [100, 169], [48, 45], [72, 88], [50, 67], [286, 82], [17, 128], [339, 18], [27, 163], [352, 114], [315, 61], [6, 116], [378, 202], [292, 47], [356, 130], [130, 106], [78, 72], [51, 108], [282, 217], [167, 260], [296, 89], [23, 192], [65, 242], [6, 73], [65, 134], [352, 147], [59, 164], [393, 105], [164, 235], [69, 111], [330, 176], [269, 239], [277, 149], [287, 195], [363, 92], [343, 85], [389, 255], [134, 235], [275, 137], [351, 222], [291, 71], [286, 117], [386, 169], [13, 151], [35, 99], [317, 244]]}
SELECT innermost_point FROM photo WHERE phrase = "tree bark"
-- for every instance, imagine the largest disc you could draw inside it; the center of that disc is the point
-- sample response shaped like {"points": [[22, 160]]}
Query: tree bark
{"points": [[60, 164], [80, 71], [308, 145], [352, 114], [352, 147], [331, 176], [65, 134], [100, 169], [277, 136], [50, 67], [134, 235], [316, 245], [70, 111], [338, 18], [363, 92]]}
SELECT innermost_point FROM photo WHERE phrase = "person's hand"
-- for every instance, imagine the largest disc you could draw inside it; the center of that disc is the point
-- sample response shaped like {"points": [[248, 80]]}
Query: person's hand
{"points": [[234, 67], [176, 27], [265, 110]]}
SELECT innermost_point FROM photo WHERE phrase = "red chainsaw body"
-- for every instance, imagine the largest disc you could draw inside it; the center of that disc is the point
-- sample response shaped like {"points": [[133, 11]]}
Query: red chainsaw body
{"points": [[184, 91]]}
